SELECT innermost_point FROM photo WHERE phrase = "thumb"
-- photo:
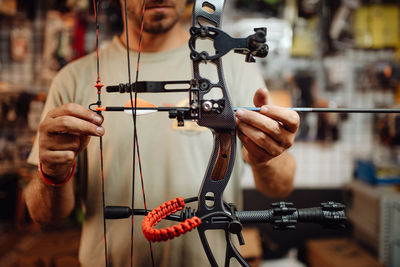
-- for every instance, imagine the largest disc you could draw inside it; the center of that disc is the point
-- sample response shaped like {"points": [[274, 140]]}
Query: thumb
{"points": [[261, 97]]}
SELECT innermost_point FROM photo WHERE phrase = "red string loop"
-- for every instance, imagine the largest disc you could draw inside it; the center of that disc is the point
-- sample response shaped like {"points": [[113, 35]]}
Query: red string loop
{"points": [[156, 215], [50, 181]]}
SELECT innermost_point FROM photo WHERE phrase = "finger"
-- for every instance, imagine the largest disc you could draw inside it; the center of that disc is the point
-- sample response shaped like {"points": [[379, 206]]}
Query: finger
{"points": [[59, 141], [78, 111], [289, 118], [73, 125], [261, 139], [56, 163], [252, 153], [66, 142], [63, 157], [261, 97], [265, 124]]}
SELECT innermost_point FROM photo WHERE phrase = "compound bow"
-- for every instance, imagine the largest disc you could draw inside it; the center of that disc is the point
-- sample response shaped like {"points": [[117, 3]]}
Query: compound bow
{"points": [[212, 212]]}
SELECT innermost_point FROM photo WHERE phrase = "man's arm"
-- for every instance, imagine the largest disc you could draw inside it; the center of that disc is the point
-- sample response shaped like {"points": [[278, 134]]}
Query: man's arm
{"points": [[64, 132], [275, 177], [48, 204], [266, 135]]}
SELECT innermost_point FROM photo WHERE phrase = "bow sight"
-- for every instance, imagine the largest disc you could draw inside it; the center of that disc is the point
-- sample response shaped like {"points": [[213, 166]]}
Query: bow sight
{"points": [[252, 46]]}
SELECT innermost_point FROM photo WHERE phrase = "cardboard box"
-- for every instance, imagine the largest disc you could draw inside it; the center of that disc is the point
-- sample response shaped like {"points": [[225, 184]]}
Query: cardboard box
{"points": [[338, 253], [375, 213], [252, 249], [364, 212]]}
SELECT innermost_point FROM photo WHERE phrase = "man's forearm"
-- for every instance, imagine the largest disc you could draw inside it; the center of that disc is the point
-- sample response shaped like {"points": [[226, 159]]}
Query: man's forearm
{"points": [[48, 204], [275, 178]]}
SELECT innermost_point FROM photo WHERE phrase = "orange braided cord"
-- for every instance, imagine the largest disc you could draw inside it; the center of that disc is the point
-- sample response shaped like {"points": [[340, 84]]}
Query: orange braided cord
{"points": [[156, 215]]}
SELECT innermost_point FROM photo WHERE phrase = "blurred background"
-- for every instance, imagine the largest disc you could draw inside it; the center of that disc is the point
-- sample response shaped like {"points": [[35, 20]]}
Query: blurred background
{"points": [[336, 53]]}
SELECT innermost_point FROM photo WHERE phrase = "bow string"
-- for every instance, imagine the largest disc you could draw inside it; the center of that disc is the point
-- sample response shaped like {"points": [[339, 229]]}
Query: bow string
{"points": [[99, 86], [133, 102]]}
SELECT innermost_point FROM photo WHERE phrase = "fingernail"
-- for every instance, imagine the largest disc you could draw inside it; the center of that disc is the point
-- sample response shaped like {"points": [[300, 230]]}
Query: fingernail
{"points": [[264, 109], [100, 130], [239, 113], [97, 118]]}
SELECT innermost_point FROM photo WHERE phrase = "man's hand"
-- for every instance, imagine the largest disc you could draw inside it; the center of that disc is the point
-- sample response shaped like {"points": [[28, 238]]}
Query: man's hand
{"points": [[268, 133], [64, 132]]}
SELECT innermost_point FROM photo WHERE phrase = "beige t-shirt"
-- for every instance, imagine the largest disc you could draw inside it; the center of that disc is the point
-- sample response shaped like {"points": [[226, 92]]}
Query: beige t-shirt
{"points": [[174, 159]]}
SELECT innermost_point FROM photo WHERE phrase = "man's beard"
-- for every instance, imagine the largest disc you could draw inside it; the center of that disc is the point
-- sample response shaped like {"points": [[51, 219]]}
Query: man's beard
{"points": [[157, 25]]}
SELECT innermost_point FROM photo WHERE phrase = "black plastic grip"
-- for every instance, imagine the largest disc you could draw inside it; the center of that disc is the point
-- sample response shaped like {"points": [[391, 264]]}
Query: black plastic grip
{"points": [[255, 216], [117, 212], [112, 89]]}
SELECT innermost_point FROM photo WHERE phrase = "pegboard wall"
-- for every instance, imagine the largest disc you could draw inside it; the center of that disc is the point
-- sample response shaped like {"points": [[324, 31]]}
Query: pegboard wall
{"points": [[331, 163], [325, 154]]}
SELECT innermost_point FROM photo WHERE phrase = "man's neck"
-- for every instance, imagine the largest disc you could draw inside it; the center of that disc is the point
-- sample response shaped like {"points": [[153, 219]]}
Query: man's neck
{"points": [[174, 38]]}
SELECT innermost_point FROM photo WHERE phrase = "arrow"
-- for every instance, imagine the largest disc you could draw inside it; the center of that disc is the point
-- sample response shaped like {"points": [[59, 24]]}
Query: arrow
{"points": [[144, 107]]}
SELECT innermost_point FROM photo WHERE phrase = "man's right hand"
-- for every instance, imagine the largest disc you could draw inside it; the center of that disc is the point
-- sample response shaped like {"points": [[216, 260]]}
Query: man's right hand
{"points": [[64, 132]]}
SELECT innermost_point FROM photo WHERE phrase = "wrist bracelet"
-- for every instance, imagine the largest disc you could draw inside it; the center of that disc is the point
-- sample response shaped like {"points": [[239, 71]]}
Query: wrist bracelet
{"points": [[50, 181]]}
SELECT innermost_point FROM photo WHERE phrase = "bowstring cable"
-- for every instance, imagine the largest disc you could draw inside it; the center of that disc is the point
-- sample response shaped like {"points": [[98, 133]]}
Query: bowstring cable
{"points": [[99, 86], [135, 138]]}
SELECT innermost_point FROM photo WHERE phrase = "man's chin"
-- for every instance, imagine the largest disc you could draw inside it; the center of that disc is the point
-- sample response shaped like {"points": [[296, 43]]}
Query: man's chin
{"points": [[159, 27]]}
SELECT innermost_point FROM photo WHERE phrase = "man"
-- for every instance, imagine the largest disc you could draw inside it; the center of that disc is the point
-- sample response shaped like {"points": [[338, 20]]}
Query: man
{"points": [[174, 160]]}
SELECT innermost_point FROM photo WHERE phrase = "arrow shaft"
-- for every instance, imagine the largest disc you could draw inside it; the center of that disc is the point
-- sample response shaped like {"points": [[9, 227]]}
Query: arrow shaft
{"points": [[347, 110], [299, 109]]}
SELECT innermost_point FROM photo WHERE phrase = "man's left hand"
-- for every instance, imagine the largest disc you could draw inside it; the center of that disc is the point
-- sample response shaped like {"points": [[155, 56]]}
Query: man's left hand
{"points": [[268, 133]]}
